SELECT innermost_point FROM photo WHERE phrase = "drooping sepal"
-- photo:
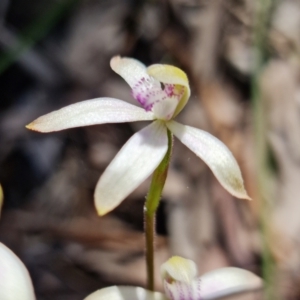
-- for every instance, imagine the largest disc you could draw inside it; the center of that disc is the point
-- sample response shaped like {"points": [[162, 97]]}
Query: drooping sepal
{"points": [[137, 160], [215, 154]]}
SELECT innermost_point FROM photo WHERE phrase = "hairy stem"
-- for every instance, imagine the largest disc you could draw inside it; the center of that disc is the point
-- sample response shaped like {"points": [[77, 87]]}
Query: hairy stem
{"points": [[150, 208]]}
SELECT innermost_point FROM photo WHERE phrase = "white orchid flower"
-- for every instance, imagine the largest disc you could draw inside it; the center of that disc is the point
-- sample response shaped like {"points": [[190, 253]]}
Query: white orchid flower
{"points": [[181, 283], [15, 282], [162, 91]]}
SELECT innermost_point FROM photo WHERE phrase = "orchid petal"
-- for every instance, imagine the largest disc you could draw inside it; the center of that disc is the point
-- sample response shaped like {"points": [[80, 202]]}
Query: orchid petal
{"points": [[145, 89], [171, 75], [228, 281], [130, 69], [179, 268], [215, 154], [15, 282], [90, 112], [125, 293], [132, 165]]}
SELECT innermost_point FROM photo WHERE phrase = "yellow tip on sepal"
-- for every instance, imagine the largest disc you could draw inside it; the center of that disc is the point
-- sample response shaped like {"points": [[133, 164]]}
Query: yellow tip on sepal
{"points": [[101, 212], [31, 126]]}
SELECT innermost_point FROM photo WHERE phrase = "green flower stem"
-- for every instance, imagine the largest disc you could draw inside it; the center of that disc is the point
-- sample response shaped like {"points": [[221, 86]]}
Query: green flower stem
{"points": [[151, 205], [149, 234]]}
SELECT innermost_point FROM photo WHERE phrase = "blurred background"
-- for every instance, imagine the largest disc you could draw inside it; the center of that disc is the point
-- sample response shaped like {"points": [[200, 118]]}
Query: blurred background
{"points": [[242, 59]]}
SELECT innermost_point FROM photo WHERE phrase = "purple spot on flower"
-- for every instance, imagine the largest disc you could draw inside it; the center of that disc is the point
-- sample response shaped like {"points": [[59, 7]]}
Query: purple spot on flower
{"points": [[169, 89], [148, 91]]}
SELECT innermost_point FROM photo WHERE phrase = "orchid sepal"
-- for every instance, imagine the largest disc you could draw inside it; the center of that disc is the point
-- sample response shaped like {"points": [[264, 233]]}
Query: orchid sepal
{"points": [[125, 293], [137, 160], [90, 112], [15, 282], [215, 154]]}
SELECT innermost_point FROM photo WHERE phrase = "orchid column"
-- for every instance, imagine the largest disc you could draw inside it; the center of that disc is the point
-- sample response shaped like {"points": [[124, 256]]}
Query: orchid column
{"points": [[162, 91]]}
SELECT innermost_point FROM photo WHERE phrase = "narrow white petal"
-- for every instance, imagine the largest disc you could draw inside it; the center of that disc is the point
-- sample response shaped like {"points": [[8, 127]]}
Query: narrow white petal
{"points": [[90, 112], [179, 268], [125, 293], [132, 165], [227, 281], [15, 282], [215, 154], [130, 69]]}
